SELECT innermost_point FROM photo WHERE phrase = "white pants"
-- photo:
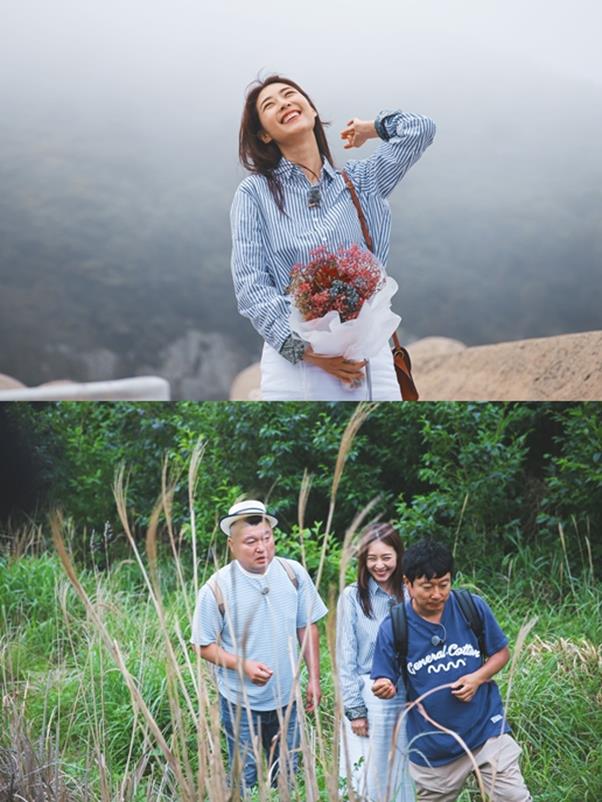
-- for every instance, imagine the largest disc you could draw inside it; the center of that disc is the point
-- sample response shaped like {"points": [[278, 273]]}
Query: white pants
{"points": [[378, 764], [283, 381]]}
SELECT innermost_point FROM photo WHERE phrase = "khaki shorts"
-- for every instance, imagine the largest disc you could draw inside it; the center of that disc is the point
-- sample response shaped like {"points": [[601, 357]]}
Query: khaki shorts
{"points": [[497, 760]]}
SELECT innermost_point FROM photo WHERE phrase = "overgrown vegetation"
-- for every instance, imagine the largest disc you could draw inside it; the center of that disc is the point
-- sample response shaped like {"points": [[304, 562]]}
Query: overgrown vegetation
{"points": [[102, 699], [490, 476]]}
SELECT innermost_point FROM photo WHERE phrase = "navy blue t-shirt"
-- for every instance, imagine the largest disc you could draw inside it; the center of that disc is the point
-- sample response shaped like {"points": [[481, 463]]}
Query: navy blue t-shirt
{"points": [[430, 666]]}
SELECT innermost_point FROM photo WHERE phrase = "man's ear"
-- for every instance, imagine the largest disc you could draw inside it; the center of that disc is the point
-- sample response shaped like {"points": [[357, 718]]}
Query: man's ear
{"points": [[408, 584]]}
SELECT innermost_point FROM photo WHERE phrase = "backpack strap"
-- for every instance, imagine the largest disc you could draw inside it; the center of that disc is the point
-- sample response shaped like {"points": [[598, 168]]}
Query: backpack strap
{"points": [[399, 621], [473, 617], [289, 571], [214, 587]]}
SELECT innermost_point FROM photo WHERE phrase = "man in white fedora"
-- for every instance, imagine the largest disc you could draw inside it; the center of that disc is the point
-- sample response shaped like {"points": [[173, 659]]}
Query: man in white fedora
{"points": [[249, 618]]}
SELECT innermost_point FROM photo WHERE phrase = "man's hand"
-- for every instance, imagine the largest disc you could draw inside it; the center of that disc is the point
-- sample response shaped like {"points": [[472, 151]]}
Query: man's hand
{"points": [[258, 673], [313, 695], [360, 727], [465, 688], [349, 371], [384, 688], [357, 132]]}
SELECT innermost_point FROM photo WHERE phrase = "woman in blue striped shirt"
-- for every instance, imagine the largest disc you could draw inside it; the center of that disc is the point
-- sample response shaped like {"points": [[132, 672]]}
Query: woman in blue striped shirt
{"points": [[295, 201], [369, 733]]}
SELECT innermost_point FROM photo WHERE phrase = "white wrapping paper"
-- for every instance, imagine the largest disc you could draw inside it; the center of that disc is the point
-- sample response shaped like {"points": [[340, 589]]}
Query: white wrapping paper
{"points": [[360, 338]]}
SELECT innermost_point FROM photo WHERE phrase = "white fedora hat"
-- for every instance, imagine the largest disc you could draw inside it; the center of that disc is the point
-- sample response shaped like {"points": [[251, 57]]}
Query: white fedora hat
{"points": [[245, 509]]}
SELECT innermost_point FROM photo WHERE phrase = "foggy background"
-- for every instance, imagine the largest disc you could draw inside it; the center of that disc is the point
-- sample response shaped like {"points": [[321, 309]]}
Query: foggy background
{"points": [[118, 162]]}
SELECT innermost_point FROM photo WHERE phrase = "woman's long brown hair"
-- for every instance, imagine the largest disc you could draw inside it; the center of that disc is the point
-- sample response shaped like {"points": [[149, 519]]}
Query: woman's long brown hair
{"points": [[390, 537], [261, 158]]}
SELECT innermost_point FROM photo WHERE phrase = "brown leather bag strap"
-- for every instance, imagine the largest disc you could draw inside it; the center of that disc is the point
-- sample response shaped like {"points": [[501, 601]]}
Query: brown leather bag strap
{"points": [[401, 357], [359, 210], [403, 369], [397, 344]]}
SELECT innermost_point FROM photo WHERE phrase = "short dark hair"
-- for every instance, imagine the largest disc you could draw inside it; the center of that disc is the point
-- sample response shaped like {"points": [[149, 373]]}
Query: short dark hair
{"points": [[253, 520], [427, 558]]}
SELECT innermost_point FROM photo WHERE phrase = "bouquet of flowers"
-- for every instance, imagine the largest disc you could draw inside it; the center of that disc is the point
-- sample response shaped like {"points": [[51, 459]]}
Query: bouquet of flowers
{"points": [[341, 302]]}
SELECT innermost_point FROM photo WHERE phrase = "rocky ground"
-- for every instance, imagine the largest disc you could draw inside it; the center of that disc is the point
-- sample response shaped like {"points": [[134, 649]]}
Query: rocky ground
{"points": [[563, 368]]}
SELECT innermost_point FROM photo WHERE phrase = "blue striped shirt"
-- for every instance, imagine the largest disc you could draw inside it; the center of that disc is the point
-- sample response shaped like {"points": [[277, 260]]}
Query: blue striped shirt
{"points": [[262, 615], [356, 638], [266, 243]]}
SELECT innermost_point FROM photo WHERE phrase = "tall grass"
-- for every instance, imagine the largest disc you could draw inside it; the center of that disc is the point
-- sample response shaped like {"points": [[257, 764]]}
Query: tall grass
{"points": [[103, 699]]}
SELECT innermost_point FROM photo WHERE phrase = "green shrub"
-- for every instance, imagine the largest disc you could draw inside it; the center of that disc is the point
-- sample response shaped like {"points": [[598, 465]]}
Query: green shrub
{"points": [[574, 478]]}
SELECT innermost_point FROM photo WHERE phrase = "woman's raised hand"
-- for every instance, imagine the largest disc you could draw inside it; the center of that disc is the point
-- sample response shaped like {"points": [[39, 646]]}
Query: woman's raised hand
{"points": [[349, 371], [357, 132]]}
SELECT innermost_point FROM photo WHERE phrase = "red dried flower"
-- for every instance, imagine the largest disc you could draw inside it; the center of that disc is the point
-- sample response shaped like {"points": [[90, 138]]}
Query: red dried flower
{"points": [[340, 281]]}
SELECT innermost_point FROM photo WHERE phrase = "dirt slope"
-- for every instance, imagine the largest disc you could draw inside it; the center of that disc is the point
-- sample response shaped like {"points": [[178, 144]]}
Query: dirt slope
{"points": [[563, 368]]}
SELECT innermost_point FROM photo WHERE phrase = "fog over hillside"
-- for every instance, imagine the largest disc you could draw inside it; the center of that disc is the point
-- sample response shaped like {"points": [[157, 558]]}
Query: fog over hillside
{"points": [[119, 161]]}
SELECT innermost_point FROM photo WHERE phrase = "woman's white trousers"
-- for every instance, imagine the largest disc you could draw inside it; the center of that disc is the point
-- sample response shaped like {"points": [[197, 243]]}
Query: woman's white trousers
{"points": [[378, 764], [283, 381]]}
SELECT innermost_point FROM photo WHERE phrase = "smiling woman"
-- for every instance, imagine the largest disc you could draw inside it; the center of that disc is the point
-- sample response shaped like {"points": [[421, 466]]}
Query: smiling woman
{"points": [[373, 750], [294, 205]]}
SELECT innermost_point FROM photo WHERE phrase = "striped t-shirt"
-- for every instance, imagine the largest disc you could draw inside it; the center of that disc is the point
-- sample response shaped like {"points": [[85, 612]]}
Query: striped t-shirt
{"points": [[267, 243], [262, 615]]}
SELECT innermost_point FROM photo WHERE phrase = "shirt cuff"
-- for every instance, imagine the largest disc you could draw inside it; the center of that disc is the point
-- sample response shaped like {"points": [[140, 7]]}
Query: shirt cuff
{"points": [[352, 713], [293, 349], [385, 125]]}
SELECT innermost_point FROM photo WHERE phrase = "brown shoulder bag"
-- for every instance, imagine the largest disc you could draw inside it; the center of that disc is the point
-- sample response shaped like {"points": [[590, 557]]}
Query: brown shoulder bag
{"points": [[401, 357]]}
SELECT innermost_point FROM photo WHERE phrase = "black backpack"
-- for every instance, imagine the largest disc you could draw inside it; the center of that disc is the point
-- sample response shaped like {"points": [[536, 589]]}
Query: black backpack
{"points": [[399, 621]]}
